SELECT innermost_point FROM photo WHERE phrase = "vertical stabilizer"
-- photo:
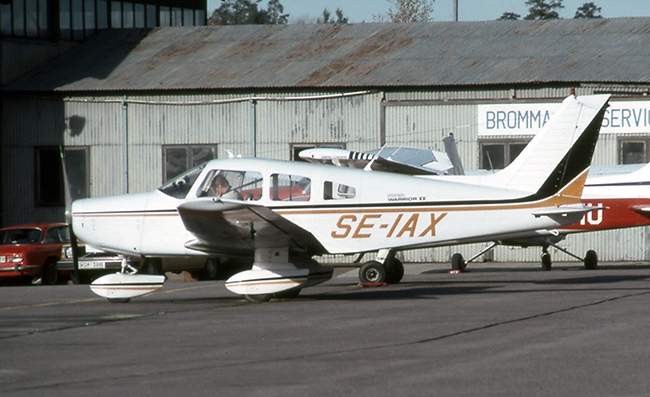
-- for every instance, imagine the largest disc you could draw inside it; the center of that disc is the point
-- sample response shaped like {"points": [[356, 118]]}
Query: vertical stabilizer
{"points": [[560, 152]]}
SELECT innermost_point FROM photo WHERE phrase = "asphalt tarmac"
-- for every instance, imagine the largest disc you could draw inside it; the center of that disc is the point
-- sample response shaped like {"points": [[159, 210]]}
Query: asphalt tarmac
{"points": [[496, 330]]}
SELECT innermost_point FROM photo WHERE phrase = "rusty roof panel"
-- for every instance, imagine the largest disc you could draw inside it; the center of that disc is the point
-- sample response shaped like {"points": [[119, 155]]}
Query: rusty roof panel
{"points": [[355, 55]]}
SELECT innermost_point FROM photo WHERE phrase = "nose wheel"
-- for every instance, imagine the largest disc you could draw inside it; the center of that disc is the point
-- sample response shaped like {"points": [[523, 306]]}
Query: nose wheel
{"points": [[372, 272]]}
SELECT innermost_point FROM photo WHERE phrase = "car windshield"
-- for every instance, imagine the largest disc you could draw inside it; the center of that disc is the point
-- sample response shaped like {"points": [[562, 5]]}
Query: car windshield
{"points": [[179, 186], [20, 236]]}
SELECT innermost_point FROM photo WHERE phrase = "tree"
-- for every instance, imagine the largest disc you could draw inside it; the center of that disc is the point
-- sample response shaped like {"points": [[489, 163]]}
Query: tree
{"points": [[588, 10], [509, 16], [326, 17], [540, 9], [247, 12], [408, 11]]}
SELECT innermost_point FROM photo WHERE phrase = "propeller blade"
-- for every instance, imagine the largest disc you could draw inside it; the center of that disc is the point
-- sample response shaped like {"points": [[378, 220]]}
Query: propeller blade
{"points": [[68, 218]]}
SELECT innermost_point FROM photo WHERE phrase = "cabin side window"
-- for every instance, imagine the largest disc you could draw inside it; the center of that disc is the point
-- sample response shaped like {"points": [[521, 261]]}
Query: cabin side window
{"points": [[286, 187], [338, 191], [232, 184]]}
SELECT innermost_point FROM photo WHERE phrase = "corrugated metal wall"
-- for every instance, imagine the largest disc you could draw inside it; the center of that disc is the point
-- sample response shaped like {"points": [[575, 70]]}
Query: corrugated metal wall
{"points": [[359, 120], [425, 125]]}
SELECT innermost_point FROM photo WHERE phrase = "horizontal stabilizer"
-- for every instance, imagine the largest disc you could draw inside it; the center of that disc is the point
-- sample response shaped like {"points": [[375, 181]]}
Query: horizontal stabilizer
{"points": [[566, 210]]}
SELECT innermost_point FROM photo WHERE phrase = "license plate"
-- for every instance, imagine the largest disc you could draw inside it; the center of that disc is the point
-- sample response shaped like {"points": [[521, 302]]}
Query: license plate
{"points": [[91, 265]]}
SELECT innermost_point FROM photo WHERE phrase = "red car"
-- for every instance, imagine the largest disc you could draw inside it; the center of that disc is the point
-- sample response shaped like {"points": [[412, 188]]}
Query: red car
{"points": [[32, 251]]}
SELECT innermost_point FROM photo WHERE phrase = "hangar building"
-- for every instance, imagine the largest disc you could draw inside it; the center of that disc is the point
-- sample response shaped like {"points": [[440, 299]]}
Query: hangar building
{"points": [[134, 107]]}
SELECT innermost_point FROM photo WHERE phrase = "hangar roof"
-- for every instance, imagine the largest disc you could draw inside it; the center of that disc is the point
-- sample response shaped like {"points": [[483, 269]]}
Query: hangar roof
{"points": [[364, 55]]}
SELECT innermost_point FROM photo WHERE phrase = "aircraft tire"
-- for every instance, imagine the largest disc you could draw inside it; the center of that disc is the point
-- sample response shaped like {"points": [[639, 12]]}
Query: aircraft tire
{"points": [[261, 298], [591, 260], [394, 271], [372, 272], [290, 294], [119, 300], [546, 261], [458, 262]]}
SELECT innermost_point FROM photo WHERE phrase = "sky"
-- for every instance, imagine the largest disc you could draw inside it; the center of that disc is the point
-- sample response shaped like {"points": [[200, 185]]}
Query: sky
{"points": [[443, 10]]}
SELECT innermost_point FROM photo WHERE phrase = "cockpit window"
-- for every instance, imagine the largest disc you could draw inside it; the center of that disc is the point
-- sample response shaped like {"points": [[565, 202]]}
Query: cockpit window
{"points": [[232, 184], [290, 187], [179, 187]]}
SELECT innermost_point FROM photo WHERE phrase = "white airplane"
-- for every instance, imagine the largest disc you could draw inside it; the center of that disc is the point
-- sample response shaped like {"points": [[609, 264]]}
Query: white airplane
{"points": [[285, 213]]}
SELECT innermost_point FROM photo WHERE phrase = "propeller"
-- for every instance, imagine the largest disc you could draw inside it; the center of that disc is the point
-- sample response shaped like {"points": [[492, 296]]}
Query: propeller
{"points": [[76, 277]]}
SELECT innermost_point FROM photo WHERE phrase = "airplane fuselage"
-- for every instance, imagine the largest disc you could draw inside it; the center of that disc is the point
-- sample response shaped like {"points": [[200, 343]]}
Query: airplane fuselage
{"points": [[343, 210], [621, 197]]}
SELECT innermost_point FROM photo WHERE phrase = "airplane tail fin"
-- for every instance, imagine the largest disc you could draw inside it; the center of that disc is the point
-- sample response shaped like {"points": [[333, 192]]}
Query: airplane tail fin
{"points": [[543, 168], [452, 152]]}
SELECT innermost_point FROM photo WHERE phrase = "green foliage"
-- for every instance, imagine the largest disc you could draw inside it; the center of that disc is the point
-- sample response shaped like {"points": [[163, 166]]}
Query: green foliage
{"points": [[588, 10], [248, 12], [509, 16], [540, 9], [407, 11], [327, 17]]}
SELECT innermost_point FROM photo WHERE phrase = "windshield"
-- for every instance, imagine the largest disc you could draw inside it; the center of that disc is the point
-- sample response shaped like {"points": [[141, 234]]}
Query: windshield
{"points": [[179, 187], [20, 236]]}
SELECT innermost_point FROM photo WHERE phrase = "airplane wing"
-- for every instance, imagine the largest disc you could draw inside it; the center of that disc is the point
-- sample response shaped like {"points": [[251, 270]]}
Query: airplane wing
{"points": [[232, 227], [389, 165], [400, 160]]}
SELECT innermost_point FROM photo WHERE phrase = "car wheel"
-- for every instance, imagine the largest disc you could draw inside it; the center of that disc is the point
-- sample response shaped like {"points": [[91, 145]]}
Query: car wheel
{"points": [[211, 271], [49, 273]]}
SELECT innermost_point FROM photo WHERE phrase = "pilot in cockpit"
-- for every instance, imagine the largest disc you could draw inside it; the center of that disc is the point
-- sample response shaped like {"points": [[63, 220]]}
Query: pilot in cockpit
{"points": [[221, 188]]}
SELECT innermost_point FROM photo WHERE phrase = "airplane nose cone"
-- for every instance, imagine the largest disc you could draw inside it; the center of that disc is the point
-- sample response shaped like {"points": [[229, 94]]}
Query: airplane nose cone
{"points": [[110, 223]]}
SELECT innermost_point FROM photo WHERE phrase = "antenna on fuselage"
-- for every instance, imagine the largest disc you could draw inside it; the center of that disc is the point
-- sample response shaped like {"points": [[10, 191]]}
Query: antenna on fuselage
{"points": [[368, 166]]}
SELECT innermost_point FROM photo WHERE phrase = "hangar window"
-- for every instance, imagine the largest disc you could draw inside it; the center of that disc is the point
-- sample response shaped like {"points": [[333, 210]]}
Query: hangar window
{"points": [[81, 19], [180, 158], [496, 155], [633, 150], [50, 188], [296, 148]]}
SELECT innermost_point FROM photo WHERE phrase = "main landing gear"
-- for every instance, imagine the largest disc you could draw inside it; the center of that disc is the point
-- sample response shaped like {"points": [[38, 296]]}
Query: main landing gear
{"points": [[590, 261], [386, 269]]}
